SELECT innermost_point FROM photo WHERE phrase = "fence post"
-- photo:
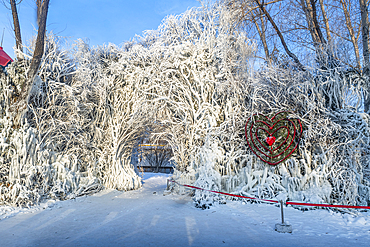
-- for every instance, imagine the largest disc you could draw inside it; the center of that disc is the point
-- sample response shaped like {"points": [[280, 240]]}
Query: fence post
{"points": [[167, 191], [283, 227], [282, 212]]}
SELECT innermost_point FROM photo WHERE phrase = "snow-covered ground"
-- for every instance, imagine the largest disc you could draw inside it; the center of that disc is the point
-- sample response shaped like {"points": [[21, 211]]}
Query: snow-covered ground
{"points": [[145, 218]]}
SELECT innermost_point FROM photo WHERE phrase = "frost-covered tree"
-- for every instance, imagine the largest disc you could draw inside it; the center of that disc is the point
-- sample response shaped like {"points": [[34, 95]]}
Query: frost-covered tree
{"points": [[79, 132], [197, 101]]}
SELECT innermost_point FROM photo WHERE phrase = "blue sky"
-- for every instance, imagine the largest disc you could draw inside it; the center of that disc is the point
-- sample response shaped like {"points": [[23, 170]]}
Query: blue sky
{"points": [[99, 21]]}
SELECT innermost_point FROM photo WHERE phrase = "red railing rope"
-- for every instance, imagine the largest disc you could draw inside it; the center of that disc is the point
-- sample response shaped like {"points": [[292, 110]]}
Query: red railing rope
{"points": [[275, 201], [224, 193], [325, 205]]}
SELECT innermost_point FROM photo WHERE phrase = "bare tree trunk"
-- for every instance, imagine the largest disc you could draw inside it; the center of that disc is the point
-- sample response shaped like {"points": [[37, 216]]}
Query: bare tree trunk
{"points": [[21, 105], [351, 32], [316, 23], [326, 21], [17, 28], [261, 32], [282, 40], [319, 42], [365, 50], [39, 8], [312, 24], [40, 40], [365, 32]]}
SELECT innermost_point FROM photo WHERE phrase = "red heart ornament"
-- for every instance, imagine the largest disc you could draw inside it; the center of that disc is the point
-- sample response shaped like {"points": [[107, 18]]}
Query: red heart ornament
{"points": [[270, 140], [274, 139]]}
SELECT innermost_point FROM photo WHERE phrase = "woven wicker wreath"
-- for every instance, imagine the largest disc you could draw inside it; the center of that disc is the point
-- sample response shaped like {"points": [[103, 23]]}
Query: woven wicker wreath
{"points": [[274, 139]]}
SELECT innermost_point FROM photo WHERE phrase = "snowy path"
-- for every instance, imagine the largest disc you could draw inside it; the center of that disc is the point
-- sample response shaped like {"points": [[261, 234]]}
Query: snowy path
{"points": [[140, 218]]}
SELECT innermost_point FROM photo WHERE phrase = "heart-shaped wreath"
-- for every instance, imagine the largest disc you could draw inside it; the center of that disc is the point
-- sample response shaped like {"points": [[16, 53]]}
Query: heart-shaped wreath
{"points": [[274, 139]]}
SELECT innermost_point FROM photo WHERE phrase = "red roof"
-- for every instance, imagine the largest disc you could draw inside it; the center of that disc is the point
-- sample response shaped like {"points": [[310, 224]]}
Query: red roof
{"points": [[4, 58]]}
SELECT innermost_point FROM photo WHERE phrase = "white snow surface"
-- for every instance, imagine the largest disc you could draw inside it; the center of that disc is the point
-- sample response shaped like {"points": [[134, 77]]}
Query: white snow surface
{"points": [[145, 218]]}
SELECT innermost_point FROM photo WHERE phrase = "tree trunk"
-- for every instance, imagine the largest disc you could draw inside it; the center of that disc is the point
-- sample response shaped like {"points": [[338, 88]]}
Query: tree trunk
{"points": [[323, 54], [21, 105], [38, 5], [261, 31], [17, 28], [39, 48], [326, 21], [316, 23], [351, 32], [365, 51], [365, 31], [309, 13]]}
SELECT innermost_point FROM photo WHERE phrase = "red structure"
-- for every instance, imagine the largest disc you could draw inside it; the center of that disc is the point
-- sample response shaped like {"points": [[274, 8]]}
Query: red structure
{"points": [[4, 58]]}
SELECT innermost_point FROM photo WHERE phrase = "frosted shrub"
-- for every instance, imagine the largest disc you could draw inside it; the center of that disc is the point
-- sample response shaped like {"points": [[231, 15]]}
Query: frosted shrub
{"points": [[80, 130], [28, 174], [207, 177], [330, 164]]}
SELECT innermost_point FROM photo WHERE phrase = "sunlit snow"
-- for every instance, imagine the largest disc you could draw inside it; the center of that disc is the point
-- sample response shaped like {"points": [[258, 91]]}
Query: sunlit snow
{"points": [[145, 218]]}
